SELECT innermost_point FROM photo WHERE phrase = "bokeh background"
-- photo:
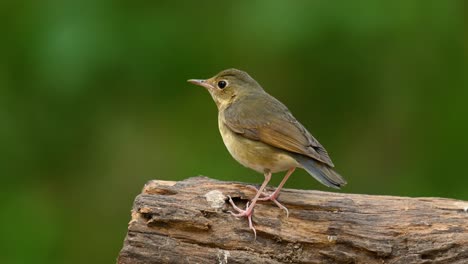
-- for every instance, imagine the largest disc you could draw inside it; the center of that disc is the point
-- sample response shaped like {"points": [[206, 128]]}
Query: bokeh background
{"points": [[94, 103]]}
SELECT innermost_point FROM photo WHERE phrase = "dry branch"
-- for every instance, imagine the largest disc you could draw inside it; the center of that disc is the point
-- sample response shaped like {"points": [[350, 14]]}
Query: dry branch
{"points": [[188, 222]]}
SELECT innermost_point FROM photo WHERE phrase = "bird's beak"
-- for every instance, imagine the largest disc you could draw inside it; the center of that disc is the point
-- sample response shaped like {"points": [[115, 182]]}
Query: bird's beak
{"points": [[203, 83]]}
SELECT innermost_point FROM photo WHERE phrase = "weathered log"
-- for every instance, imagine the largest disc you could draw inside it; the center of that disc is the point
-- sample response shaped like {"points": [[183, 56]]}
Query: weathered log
{"points": [[189, 222]]}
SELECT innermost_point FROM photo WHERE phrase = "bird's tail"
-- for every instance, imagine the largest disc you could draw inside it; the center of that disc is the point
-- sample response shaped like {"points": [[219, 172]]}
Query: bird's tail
{"points": [[321, 172]]}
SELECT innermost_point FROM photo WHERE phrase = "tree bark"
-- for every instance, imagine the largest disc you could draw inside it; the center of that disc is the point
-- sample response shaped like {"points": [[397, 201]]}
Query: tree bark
{"points": [[189, 222]]}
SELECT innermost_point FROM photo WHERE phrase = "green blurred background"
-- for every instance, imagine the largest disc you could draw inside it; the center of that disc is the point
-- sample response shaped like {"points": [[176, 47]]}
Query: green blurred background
{"points": [[94, 103]]}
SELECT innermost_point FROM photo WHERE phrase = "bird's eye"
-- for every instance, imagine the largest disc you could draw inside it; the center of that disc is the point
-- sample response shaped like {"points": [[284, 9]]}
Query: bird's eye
{"points": [[222, 84]]}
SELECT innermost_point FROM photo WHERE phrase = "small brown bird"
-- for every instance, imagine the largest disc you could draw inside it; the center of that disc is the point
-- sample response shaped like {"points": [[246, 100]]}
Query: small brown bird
{"points": [[262, 134]]}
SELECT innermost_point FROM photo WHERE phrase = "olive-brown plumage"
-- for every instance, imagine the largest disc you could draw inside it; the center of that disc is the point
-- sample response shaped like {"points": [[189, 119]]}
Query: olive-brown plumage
{"points": [[262, 134]]}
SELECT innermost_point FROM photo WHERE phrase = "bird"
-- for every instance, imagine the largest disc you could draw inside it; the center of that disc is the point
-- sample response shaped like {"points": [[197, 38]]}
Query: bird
{"points": [[262, 134]]}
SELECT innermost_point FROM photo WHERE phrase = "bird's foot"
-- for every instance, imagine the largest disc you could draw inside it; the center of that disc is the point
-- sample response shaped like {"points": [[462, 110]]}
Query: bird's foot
{"points": [[248, 212], [271, 197]]}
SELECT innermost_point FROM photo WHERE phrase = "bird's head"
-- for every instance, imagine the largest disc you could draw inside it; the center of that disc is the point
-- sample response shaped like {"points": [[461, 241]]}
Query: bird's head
{"points": [[228, 85]]}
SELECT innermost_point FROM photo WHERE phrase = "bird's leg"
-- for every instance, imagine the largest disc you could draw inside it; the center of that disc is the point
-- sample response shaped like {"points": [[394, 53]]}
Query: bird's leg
{"points": [[262, 195], [249, 208], [275, 194]]}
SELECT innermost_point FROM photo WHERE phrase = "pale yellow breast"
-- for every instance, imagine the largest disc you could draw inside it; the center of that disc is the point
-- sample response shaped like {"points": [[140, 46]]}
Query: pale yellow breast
{"points": [[255, 154]]}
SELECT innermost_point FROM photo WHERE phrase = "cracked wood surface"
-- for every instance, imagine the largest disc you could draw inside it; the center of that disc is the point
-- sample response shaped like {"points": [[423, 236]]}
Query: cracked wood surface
{"points": [[189, 222]]}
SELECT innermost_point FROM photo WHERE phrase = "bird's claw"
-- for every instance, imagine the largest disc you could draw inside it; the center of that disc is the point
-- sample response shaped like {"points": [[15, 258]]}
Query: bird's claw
{"points": [[243, 213], [270, 197]]}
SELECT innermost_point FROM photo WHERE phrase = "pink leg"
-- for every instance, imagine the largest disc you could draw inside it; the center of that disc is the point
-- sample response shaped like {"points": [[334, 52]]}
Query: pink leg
{"points": [[275, 194], [249, 208]]}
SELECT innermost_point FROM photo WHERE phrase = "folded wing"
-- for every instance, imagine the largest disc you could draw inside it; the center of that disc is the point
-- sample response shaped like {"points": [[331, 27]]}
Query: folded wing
{"points": [[263, 118]]}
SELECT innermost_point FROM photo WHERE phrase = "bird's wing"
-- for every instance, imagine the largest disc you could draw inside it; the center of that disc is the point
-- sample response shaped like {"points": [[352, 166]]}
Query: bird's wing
{"points": [[265, 119]]}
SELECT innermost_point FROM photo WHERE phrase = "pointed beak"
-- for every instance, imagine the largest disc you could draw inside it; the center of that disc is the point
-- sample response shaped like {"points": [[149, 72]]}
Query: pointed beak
{"points": [[203, 83]]}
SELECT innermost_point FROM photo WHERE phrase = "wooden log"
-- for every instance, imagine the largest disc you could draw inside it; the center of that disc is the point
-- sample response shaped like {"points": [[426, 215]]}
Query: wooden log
{"points": [[189, 222]]}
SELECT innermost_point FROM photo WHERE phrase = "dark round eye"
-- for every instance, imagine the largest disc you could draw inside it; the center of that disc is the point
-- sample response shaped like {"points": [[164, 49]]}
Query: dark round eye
{"points": [[222, 84]]}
